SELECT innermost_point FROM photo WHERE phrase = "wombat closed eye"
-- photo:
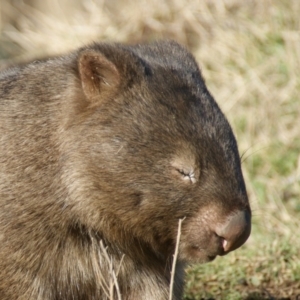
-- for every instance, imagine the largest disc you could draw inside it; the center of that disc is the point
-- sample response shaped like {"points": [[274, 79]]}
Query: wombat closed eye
{"points": [[102, 152]]}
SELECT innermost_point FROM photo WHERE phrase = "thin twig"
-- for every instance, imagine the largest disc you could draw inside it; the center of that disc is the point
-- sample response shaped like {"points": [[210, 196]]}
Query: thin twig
{"points": [[175, 259], [116, 285], [113, 282]]}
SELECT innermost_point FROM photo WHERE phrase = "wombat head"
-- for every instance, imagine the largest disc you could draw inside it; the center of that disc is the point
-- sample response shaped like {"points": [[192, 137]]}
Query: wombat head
{"points": [[154, 148]]}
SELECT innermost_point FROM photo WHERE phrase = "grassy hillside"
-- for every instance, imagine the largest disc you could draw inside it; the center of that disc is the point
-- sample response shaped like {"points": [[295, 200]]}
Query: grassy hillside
{"points": [[249, 52]]}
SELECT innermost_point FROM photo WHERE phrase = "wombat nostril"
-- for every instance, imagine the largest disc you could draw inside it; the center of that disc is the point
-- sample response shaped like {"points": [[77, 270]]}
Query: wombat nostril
{"points": [[224, 244], [235, 231]]}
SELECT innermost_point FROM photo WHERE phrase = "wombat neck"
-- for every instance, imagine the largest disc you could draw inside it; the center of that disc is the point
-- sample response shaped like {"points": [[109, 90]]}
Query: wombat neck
{"points": [[109, 268]]}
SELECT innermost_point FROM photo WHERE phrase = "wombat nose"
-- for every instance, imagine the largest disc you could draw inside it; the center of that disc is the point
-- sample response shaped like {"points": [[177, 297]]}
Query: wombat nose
{"points": [[235, 231]]}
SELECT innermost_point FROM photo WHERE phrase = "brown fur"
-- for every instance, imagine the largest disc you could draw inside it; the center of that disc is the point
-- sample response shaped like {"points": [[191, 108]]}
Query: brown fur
{"points": [[107, 148]]}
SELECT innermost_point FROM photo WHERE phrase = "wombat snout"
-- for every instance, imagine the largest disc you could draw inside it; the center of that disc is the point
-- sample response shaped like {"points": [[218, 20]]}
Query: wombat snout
{"points": [[223, 233], [235, 231]]}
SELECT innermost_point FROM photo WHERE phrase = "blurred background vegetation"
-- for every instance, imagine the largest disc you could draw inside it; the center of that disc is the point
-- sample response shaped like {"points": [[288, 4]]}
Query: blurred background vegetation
{"points": [[249, 53]]}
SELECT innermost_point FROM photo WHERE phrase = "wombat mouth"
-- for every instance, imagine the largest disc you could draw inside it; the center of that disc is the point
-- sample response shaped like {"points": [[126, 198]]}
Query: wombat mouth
{"points": [[198, 254], [211, 258]]}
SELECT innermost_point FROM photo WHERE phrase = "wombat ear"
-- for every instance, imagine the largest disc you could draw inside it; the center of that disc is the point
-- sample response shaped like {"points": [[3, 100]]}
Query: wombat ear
{"points": [[99, 76]]}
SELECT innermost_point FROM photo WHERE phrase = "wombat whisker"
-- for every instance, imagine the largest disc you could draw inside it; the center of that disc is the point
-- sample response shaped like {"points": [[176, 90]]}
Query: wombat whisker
{"points": [[243, 159]]}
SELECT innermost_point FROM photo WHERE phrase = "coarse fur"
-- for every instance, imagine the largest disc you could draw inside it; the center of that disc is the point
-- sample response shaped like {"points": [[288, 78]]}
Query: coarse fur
{"points": [[102, 151]]}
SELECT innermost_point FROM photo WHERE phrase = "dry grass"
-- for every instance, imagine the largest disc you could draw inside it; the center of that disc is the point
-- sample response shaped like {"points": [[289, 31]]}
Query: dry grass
{"points": [[249, 52]]}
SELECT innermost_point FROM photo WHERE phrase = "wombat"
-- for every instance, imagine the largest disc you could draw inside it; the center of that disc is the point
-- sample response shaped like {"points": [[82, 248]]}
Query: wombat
{"points": [[102, 152]]}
